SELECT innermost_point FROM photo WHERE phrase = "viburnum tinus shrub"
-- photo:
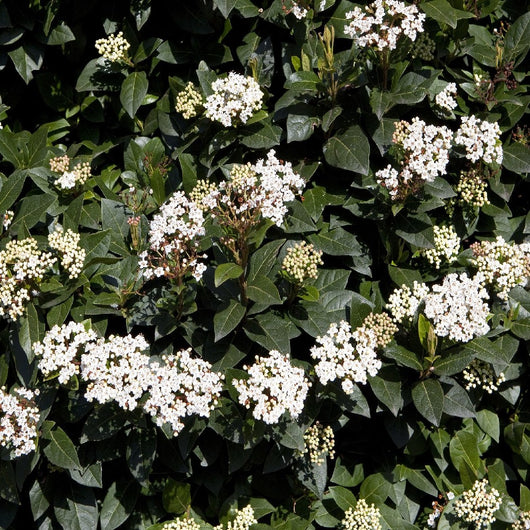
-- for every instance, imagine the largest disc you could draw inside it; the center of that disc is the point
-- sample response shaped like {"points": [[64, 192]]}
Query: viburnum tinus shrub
{"points": [[264, 264]]}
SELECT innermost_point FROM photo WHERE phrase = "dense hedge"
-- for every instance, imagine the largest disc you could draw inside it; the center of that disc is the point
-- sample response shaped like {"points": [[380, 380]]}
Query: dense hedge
{"points": [[287, 257]]}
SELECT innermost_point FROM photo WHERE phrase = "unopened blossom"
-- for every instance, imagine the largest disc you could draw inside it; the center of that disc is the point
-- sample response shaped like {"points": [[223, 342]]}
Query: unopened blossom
{"points": [[116, 370], [113, 48], [69, 178], [345, 355], [174, 238], [71, 254], [18, 420], [383, 327], [446, 246], [181, 386], [301, 262], [424, 47], [273, 388], [243, 520], [362, 517], [480, 374], [481, 140], [382, 23], [60, 350], [458, 307], [319, 443], [478, 505], [446, 98], [22, 268], [181, 524], [189, 101], [504, 265], [234, 100], [404, 302], [523, 521], [472, 189]]}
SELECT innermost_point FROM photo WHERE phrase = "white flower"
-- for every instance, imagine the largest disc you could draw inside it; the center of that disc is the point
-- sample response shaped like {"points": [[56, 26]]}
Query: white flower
{"points": [[243, 520], [18, 420], [235, 99], [113, 48], [478, 505], [362, 517], [458, 308], [404, 302], [274, 387], [383, 22], [445, 99], [481, 140], [67, 244], [319, 442], [446, 246], [345, 355], [481, 374]]}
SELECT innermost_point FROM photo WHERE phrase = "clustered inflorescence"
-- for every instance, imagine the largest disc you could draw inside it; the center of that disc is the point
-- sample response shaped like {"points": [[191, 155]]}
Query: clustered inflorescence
{"points": [[114, 48], [438, 507], [471, 189], [503, 265], [18, 420], [72, 255], [523, 521], [481, 140], [383, 22], [446, 98], [301, 262], [22, 268], [242, 520], [480, 374], [69, 178], [174, 236], [319, 442], [346, 355], [274, 387], [117, 370], [446, 246], [478, 505], [234, 100], [423, 153], [189, 101], [182, 524], [404, 302], [362, 517], [382, 326]]}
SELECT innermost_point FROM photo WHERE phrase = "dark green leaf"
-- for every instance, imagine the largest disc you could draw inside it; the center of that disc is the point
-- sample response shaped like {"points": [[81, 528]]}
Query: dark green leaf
{"points": [[226, 271], [133, 92], [428, 397], [227, 319], [349, 150], [118, 504], [60, 450], [176, 496]]}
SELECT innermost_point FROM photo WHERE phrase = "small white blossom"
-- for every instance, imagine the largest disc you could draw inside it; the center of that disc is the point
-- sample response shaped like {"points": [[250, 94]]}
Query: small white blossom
{"points": [[381, 24], [481, 140], [181, 524], [446, 246], [301, 262], [72, 255], [523, 521], [242, 520], [458, 308], [234, 100], [478, 505], [345, 355], [69, 179], [445, 99], [18, 420], [189, 101], [404, 302], [8, 219], [480, 374], [274, 387]]}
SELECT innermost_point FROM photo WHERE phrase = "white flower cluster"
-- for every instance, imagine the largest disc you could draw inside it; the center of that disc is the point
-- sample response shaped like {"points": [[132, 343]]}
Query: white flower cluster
{"points": [[404, 302], [363, 517], [523, 521], [188, 101], [116, 370], [301, 262], [439, 508], [18, 420], [471, 189], [234, 100], [300, 12], [382, 23], [173, 240], [478, 505], [71, 254], [319, 442], [22, 267], [180, 387], [113, 48], [181, 524], [446, 246], [346, 355], [504, 265], [243, 520], [274, 387], [424, 151], [481, 140], [382, 326], [69, 179], [480, 374], [60, 350], [253, 190], [446, 98], [458, 308]]}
